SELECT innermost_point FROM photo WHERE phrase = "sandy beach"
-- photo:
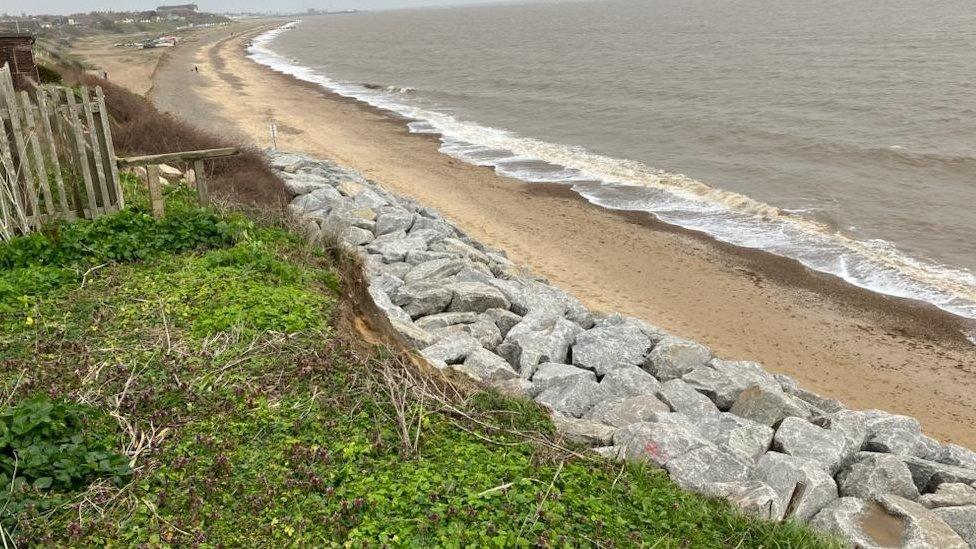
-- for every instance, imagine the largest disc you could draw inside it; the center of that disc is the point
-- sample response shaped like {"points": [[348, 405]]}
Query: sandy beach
{"points": [[867, 350]]}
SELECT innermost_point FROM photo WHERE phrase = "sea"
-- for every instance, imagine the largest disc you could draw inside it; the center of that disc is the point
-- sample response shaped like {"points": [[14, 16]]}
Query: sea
{"points": [[841, 134]]}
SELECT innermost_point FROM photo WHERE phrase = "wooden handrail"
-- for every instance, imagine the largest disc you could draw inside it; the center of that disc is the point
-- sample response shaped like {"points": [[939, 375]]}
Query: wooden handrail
{"points": [[152, 162], [188, 156]]}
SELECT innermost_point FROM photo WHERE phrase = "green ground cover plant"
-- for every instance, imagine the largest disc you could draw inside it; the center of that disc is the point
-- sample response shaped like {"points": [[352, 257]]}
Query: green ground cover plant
{"points": [[195, 371]]}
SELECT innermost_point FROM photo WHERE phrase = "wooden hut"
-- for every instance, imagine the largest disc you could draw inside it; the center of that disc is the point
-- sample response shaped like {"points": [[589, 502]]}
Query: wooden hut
{"points": [[17, 50]]}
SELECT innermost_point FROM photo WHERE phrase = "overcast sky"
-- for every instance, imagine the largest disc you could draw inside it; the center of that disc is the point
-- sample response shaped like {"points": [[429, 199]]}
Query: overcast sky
{"points": [[74, 6]]}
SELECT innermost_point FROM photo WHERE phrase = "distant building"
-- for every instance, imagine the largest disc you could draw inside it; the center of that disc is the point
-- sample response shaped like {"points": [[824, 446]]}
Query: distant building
{"points": [[17, 50]]}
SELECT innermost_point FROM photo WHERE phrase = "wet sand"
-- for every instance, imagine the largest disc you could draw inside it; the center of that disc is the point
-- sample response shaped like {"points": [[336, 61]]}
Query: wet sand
{"points": [[867, 350]]}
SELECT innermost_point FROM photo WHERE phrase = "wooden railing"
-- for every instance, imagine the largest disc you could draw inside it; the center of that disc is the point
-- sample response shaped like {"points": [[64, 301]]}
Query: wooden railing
{"points": [[152, 163]]}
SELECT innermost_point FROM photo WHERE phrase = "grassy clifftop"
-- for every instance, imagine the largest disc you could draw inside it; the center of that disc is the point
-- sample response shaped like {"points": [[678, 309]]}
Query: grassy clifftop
{"points": [[188, 382]]}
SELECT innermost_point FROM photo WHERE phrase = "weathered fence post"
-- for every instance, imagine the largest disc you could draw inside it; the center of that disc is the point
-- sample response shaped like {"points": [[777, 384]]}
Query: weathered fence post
{"points": [[155, 191]]}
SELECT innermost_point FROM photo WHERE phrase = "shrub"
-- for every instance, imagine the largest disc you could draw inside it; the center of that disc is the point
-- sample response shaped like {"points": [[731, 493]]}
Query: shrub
{"points": [[138, 128]]}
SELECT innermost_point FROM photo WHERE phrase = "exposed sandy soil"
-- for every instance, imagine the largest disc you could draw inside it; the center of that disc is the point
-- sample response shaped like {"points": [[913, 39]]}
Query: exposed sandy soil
{"points": [[128, 67], [866, 350]]}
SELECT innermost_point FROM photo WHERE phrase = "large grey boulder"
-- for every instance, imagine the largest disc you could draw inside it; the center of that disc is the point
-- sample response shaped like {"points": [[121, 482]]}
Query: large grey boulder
{"points": [[603, 349], [630, 381], [443, 320], [484, 365], [929, 475], [822, 405], [393, 219], [416, 257], [861, 523], [538, 339], [391, 247], [505, 320], [747, 439], [460, 248], [384, 303], [554, 374], [783, 473], [871, 475], [658, 442], [620, 412], [673, 357], [962, 520], [768, 406], [319, 199], [370, 199], [483, 330], [953, 454], [573, 398], [451, 350], [476, 297], [706, 465], [419, 299], [386, 282], [751, 497], [435, 269], [355, 236], [851, 424], [950, 494], [416, 337], [800, 438], [723, 381], [583, 431], [530, 296], [895, 434], [924, 529], [683, 399]]}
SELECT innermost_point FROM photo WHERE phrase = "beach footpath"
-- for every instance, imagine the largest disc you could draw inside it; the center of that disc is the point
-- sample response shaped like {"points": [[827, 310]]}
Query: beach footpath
{"points": [[632, 391]]}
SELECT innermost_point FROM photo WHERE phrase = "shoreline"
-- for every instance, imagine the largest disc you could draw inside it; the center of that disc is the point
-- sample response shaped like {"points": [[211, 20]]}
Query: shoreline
{"points": [[864, 348]]}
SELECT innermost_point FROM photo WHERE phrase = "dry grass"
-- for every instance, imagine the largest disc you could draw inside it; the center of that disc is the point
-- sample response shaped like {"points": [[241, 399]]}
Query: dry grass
{"points": [[138, 128]]}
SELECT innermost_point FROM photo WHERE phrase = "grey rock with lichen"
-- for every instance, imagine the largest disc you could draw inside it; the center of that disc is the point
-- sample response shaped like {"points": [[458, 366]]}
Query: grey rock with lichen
{"points": [[800, 438], [630, 381], [747, 439], [683, 399], [950, 494], [871, 475], [620, 412], [420, 299], [768, 406], [962, 520], [538, 339], [573, 398], [673, 357], [553, 374], [783, 473], [603, 349]]}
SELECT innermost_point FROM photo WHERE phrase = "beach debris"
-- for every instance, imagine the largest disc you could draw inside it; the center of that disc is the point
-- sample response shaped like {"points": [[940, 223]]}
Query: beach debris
{"points": [[726, 429]]}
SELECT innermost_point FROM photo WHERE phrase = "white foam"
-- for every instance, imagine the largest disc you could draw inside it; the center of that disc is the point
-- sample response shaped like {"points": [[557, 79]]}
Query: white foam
{"points": [[673, 198]]}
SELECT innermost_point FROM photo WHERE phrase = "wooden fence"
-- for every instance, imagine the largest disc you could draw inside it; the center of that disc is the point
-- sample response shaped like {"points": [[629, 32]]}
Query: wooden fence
{"points": [[57, 160]]}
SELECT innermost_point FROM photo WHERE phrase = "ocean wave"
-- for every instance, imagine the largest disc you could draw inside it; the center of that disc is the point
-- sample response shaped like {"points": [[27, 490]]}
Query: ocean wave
{"points": [[674, 198]]}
